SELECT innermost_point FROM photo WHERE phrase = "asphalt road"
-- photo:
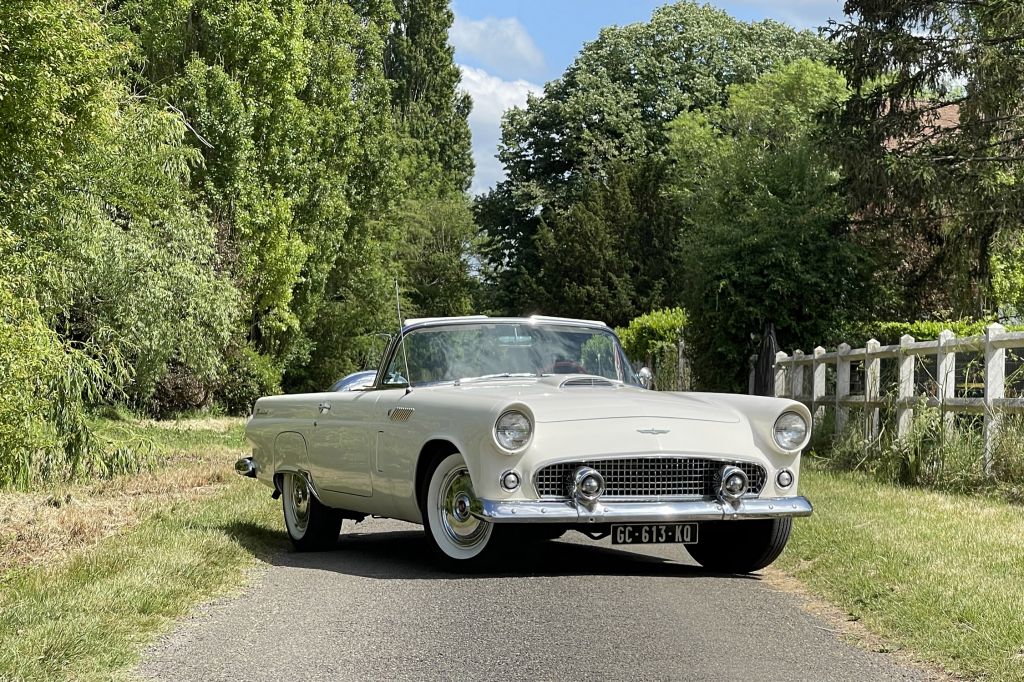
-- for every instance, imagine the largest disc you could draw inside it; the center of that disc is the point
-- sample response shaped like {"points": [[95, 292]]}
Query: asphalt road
{"points": [[376, 609]]}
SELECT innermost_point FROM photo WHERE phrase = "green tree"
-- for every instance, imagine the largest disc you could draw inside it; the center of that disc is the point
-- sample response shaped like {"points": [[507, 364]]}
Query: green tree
{"points": [[932, 138], [430, 110], [612, 251], [610, 110], [301, 161], [765, 237], [436, 238], [111, 266], [436, 246]]}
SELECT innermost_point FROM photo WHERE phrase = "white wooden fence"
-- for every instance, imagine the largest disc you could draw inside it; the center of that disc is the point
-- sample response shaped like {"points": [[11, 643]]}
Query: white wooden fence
{"points": [[789, 381]]}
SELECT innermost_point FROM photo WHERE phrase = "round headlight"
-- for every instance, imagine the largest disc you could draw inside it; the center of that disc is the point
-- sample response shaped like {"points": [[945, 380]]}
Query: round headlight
{"points": [[513, 430], [790, 430]]}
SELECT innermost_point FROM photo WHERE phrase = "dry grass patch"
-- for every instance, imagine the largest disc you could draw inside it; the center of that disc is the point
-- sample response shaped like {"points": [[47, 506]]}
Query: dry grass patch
{"points": [[215, 424], [88, 618], [189, 462]]}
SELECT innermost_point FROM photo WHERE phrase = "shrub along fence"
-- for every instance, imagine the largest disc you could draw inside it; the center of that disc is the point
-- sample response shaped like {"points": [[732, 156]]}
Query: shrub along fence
{"points": [[955, 375], [655, 339]]}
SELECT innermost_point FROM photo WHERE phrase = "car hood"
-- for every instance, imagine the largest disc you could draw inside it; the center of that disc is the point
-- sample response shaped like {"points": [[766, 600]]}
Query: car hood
{"points": [[563, 398]]}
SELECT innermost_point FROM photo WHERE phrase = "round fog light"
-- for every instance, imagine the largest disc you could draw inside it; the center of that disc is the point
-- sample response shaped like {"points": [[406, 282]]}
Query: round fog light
{"points": [[586, 484], [785, 478], [590, 485], [510, 481], [733, 482]]}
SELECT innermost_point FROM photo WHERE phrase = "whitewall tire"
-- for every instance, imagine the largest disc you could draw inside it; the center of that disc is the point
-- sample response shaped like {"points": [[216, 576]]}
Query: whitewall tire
{"points": [[311, 525], [456, 536]]}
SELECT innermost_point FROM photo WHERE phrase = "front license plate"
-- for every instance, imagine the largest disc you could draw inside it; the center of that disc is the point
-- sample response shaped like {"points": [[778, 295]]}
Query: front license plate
{"points": [[654, 533]]}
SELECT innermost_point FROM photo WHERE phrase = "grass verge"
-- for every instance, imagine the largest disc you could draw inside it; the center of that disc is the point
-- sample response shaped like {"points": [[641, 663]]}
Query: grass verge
{"points": [[88, 618], [188, 460], [938, 574]]}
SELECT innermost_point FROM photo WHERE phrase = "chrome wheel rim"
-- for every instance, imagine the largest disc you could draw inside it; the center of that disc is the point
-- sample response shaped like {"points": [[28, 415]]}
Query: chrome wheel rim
{"points": [[455, 504], [298, 503]]}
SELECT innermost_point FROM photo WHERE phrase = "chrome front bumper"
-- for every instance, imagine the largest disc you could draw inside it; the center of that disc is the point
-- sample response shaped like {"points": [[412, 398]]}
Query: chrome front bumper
{"points": [[566, 511]]}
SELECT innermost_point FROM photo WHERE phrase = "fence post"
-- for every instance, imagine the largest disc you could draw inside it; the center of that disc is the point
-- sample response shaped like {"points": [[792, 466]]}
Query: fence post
{"points": [[945, 368], [995, 389], [905, 395], [796, 376], [684, 368], [818, 386], [872, 382], [780, 374], [842, 386], [751, 380]]}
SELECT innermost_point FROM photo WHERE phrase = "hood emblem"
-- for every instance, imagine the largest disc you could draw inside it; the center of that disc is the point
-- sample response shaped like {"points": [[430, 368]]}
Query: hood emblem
{"points": [[653, 432]]}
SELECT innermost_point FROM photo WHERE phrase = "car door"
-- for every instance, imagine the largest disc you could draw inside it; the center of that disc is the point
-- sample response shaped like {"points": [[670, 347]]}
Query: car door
{"points": [[343, 442]]}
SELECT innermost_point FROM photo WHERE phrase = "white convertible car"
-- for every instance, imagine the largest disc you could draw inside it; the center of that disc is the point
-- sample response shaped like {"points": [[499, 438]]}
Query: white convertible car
{"points": [[484, 429]]}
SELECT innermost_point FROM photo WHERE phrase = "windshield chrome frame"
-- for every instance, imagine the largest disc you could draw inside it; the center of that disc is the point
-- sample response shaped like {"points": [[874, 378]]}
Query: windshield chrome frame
{"points": [[396, 342]]}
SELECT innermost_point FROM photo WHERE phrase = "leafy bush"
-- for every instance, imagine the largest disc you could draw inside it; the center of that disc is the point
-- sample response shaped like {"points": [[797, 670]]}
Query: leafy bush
{"points": [[654, 338], [29, 361], [652, 333], [248, 376], [888, 333], [45, 384]]}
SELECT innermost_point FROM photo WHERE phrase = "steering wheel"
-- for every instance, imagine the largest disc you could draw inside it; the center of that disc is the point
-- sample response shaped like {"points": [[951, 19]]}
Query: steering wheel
{"points": [[565, 367]]}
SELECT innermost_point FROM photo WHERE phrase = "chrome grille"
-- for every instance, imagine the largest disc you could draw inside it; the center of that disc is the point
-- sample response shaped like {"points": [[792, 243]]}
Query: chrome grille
{"points": [[645, 477]]}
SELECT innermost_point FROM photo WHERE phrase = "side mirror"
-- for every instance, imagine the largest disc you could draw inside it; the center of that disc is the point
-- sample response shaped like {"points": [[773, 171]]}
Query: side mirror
{"points": [[646, 377]]}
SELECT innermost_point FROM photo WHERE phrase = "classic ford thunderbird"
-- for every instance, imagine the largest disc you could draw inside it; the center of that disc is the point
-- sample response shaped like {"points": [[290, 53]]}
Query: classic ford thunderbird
{"points": [[492, 430]]}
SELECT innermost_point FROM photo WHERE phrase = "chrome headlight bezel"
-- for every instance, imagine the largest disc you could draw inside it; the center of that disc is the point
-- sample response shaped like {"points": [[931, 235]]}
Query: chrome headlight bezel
{"points": [[513, 447], [797, 435]]}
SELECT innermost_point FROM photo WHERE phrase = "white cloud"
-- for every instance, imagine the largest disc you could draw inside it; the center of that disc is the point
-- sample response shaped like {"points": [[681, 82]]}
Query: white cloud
{"points": [[492, 96], [502, 45]]}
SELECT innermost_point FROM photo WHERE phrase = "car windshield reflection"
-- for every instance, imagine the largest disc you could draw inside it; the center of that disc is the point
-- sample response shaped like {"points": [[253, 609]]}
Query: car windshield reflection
{"points": [[459, 353]]}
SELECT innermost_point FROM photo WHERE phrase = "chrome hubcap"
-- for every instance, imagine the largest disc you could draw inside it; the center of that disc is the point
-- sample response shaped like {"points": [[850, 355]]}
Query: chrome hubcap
{"points": [[455, 503], [461, 510], [299, 502]]}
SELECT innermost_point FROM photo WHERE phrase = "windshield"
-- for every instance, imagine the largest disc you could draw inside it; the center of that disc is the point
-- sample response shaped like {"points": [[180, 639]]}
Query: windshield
{"points": [[464, 352]]}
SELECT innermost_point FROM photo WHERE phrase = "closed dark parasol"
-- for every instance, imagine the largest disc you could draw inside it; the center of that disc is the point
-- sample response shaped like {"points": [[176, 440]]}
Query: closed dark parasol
{"points": [[764, 369]]}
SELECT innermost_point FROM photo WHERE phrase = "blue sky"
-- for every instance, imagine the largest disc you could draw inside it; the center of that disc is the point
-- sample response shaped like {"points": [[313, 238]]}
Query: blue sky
{"points": [[508, 49]]}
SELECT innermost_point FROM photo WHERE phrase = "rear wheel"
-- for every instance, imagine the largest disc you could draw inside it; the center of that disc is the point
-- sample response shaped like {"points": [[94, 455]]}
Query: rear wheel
{"points": [[740, 546], [311, 525], [457, 537]]}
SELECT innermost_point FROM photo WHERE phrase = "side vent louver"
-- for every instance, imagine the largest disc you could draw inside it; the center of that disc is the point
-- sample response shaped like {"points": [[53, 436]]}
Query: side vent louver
{"points": [[400, 414]]}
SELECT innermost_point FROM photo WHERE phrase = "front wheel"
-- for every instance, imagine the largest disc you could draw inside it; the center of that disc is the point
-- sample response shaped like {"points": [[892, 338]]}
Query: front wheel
{"points": [[457, 537], [740, 546], [311, 526]]}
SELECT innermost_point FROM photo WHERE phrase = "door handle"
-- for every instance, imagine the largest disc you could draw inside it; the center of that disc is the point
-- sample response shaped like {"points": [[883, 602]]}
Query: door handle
{"points": [[324, 407]]}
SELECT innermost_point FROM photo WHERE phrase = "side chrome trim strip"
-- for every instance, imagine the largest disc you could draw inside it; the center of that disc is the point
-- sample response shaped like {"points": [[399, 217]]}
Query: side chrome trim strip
{"points": [[543, 511]]}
